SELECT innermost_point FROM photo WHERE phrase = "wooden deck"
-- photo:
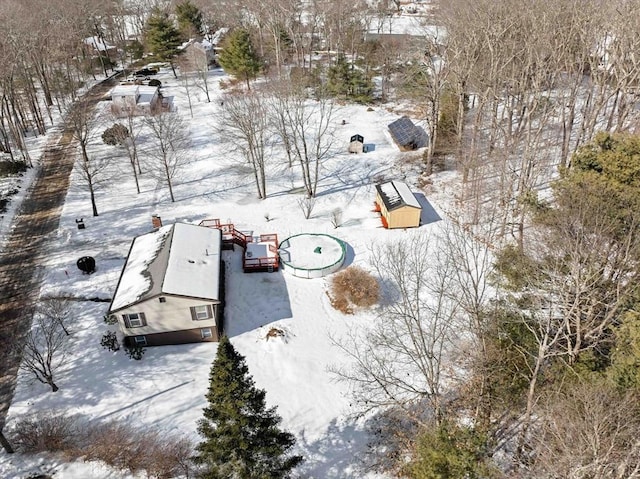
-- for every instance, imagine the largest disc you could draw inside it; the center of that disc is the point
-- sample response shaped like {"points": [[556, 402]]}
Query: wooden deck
{"points": [[268, 262]]}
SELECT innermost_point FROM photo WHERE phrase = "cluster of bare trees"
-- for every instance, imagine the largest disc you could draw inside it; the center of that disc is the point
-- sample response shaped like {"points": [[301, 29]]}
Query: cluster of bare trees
{"points": [[162, 156], [282, 114], [539, 79], [46, 60], [289, 31]]}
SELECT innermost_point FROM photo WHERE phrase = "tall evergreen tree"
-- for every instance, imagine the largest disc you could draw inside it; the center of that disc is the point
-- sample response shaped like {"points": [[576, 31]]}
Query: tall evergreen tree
{"points": [[162, 38], [347, 82], [189, 19], [242, 438], [239, 57]]}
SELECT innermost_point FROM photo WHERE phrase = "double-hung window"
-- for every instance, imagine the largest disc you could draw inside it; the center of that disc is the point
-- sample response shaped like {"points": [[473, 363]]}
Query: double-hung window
{"points": [[134, 320], [201, 312]]}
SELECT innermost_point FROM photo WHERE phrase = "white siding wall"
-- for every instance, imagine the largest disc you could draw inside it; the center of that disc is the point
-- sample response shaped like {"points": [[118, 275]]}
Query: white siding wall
{"points": [[172, 315]]}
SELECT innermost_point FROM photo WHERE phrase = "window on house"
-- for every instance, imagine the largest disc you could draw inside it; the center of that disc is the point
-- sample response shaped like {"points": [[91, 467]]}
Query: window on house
{"points": [[140, 340], [134, 320], [206, 333], [201, 312], [162, 299]]}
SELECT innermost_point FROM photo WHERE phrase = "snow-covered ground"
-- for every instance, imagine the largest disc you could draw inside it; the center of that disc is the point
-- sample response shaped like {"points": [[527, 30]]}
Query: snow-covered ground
{"points": [[166, 389]]}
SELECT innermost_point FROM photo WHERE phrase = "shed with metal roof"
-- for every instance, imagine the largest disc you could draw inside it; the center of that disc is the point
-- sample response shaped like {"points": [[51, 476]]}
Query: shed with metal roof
{"points": [[397, 205]]}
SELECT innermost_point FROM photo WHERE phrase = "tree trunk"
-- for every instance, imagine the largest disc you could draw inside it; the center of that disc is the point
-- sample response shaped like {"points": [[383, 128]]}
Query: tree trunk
{"points": [[94, 207], [168, 175], [54, 386], [6, 445]]}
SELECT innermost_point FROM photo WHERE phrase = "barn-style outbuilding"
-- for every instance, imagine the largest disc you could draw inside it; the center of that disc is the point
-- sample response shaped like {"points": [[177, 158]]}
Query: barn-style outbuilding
{"points": [[397, 205]]}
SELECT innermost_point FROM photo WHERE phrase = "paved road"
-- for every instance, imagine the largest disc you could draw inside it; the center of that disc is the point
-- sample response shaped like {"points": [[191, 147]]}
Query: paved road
{"points": [[35, 223]]}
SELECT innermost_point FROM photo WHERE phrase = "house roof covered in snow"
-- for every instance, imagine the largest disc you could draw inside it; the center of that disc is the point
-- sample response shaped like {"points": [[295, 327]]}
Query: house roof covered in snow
{"points": [[134, 90], [395, 194], [178, 259], [98, 43]]}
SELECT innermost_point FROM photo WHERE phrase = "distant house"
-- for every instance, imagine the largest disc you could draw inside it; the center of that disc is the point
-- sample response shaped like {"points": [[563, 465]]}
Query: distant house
{"points": [[407, 135], [136, 99], [196, 56], [170, 289], [100, 46], [397, 205]]}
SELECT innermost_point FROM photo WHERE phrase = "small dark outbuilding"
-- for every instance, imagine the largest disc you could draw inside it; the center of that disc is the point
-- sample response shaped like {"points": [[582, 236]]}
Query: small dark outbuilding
{"points": [[407, 135], [356, 144]]}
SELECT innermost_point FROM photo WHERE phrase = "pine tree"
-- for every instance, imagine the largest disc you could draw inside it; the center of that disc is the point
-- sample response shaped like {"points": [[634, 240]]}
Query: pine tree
{"points": [[162, 38], [345, 81], [238, 56], [242, 438], [189, 19]]}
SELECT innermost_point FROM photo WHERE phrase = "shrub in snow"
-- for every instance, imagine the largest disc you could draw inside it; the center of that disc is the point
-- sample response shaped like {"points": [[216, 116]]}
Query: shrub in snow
{"points": [[115, 135], [135, 352], [124, 447], [306, 205], [117, 444], [109, 341], [44, 432], [275, 333], [336, 218], [354, 286]]}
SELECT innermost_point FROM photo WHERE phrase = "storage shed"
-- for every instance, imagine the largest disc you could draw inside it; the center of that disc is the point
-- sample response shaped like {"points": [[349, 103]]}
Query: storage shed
{"points": [[356, 144], [397, 205], [407, 135]]}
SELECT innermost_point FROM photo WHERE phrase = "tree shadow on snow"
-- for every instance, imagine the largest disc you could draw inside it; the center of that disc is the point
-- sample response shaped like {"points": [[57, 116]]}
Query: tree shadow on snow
{"points": [[351, 176], [342, 453]]}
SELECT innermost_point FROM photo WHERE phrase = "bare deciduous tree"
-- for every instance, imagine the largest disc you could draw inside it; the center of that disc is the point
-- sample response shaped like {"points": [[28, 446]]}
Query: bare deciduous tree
{"points": [[245, 124], [588, 430], [307, 123], [82, 122], [129, 140], [44, 349], [168, 154], [400, 361]]}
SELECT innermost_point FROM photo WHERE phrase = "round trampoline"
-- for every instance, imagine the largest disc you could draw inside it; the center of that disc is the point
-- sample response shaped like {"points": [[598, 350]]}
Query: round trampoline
{"points": [[309, 255]]}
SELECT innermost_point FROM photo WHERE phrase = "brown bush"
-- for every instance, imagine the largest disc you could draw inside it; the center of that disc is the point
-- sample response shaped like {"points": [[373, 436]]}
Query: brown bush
{"points": [[125, 447], [119, 445], [354, 286], [45, 432]]}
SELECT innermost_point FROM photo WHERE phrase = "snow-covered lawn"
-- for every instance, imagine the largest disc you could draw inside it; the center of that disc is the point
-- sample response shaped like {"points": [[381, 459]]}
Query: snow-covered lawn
{"points": [[166, 389]]}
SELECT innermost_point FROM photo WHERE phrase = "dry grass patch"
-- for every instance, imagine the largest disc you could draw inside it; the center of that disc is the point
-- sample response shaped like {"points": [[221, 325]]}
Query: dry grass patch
{"points": [[353, 288]]}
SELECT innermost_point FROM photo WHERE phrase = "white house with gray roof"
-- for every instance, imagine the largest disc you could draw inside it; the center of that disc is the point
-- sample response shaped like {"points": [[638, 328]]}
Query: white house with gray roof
{"points": [[135, 100], [170, 289]]}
